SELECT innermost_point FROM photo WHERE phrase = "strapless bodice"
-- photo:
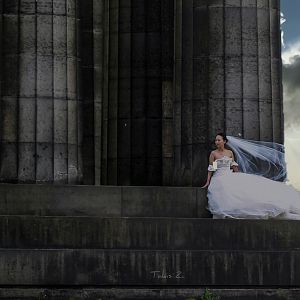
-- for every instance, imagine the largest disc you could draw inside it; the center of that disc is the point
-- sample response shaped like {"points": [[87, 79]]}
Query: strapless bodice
{"points": [[222, 165]]}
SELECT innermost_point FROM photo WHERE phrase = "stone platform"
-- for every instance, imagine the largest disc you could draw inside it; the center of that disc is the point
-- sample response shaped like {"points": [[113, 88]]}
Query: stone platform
{"points": [[88, 242]]}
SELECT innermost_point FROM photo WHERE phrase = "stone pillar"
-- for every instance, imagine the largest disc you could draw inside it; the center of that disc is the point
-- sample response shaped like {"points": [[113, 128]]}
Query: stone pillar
{"points": [[227, 78], [40, 108], [128, 125]]}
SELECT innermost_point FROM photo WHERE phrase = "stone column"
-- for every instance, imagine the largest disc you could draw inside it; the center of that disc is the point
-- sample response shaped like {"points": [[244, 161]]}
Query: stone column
{"points": [[128, 99], [40, 108], [227, 78]]}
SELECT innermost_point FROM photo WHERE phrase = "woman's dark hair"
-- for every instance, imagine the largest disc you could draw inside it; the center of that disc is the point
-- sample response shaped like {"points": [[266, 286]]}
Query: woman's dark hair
{"points": [[223, 135]]}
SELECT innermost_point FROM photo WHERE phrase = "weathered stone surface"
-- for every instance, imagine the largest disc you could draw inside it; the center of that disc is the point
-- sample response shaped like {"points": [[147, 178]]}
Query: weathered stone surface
{"points": [[39, 63], [155, 82], [98, 267], [37, 232], [99, 200], [147, 294]]}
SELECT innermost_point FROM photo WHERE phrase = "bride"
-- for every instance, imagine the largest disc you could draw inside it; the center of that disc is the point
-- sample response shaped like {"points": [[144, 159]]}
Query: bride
{"points": [[234, 194]]}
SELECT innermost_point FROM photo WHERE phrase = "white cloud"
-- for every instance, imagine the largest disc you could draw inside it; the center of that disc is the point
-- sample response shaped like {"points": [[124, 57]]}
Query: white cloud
{"points": [[291, 97], [292, 156], [291, 53]]}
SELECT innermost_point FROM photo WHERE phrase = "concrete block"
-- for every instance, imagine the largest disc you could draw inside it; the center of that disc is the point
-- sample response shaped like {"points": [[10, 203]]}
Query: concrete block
{"points": [[60, 125], [200, 83], [249, 31], [44, 162], [276, 79], [187, 78], [234, 116], [233, 38], [233, 77], [9, 122], [44, 35], [27, 6], [72, 78], [200, 119], [250, 3], [71, 35], [251, 119], [59, 7], [250, 77], [72, 122], [232, 3], [217, 114], [44, 122], [263, 31], [27, 34], [59, 35], [60, 163], [265, 88], [60, 77], [10, 80], [73, 164], [9, 162], [275, 33], [159, 201], [201, 34], [216, 28], [10, 6], [71, 7], [216, 77], [45, 6], [266, 123], [27, 121], [27, 75], [10, 34], [26, 162], [44, 76]]}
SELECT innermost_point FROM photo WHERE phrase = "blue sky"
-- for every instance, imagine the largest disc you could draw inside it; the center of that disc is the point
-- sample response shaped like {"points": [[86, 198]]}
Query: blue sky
{"points": [[291, 87], [291, 10]]}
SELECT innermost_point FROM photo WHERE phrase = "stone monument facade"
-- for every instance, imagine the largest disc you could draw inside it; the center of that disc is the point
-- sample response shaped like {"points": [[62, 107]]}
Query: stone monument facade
{"points": [[132, 92]]}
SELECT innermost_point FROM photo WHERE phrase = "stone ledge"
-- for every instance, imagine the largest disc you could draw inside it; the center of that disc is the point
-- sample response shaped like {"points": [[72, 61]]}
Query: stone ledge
{"points": [[83, 200], [148, 233], [146, 293], [149, 268]]}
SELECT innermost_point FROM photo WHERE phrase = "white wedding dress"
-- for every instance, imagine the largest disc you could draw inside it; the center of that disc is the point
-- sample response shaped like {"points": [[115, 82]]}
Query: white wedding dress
{"points": [[248, 196]]}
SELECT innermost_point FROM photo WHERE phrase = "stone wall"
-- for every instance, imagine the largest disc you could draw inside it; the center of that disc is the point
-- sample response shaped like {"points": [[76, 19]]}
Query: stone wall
{"points": [[132, 92]]}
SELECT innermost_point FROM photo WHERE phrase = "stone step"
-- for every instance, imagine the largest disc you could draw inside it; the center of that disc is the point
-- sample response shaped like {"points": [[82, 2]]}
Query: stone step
{"points": [[125, 201], [148, 233], [147, 293], [92, 267]]}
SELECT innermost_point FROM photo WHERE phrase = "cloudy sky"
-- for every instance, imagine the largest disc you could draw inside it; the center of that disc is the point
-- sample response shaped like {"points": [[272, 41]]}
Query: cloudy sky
{"points": [[291, 87]]}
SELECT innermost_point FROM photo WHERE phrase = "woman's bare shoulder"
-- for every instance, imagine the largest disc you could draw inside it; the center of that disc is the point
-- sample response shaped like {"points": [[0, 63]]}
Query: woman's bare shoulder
{"points": [[213, 153], [230, 153]]}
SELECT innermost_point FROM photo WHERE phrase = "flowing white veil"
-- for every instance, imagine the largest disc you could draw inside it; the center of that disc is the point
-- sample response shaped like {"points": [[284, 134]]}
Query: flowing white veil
{"points": [[259, 157]]}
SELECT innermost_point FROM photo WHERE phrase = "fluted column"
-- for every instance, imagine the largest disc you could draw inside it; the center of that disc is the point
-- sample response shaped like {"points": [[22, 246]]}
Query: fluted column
{"points": [[227, 78], [127, 113], [40, 139]]}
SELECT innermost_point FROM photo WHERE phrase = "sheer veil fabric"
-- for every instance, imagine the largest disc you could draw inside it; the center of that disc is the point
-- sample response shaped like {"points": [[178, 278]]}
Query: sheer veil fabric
{"points": [[259, 190]]}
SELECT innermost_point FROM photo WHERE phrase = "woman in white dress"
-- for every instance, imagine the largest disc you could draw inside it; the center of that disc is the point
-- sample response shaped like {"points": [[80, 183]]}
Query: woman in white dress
{"points": [[233, 194]]}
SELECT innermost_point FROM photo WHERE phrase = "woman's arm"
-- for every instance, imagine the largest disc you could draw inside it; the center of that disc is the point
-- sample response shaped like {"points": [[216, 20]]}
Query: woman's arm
{"points": [[209, 173], [234, 168]]}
